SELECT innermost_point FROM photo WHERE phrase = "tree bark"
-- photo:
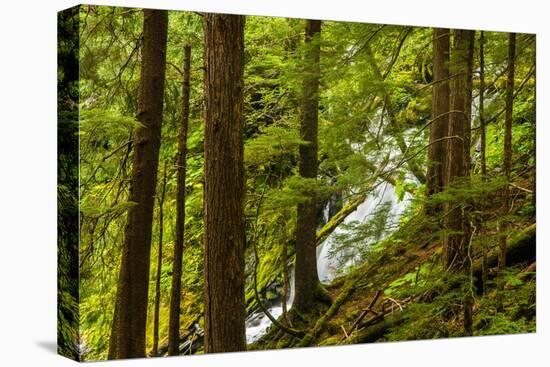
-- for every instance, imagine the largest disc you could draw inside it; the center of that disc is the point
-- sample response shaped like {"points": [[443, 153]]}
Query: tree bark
{"points": [[483, 150], [133, 283], [286, 282], [175, 297], [455, 242], [440, 112], [224, 309], [507, 162], [469, 56], [154, 351], [306, 277]]}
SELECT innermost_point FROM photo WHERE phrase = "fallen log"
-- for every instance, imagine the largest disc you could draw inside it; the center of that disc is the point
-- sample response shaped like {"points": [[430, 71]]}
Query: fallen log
{"points": [[380, 325], [338, 218], [524, 276], [522, 247]]}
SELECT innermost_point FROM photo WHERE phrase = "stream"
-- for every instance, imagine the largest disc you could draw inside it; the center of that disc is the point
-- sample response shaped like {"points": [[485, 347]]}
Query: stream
{"points": [[328, 267]]}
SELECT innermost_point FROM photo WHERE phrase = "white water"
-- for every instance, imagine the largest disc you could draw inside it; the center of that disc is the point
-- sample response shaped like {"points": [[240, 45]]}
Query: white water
{"points": [[257, 323], [328, 267]]}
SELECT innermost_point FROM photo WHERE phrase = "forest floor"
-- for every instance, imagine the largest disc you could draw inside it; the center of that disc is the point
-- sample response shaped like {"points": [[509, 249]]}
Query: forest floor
{"points": [[402, 293]]}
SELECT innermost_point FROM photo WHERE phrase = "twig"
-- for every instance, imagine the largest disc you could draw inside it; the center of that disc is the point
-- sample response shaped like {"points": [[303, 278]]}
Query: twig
{"points": [[521, 188], [363, 314], [396, 303], [345, 332]]}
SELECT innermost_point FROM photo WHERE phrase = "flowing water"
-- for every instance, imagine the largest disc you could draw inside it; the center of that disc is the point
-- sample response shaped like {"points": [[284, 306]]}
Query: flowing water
{"points": [[329, 267]]}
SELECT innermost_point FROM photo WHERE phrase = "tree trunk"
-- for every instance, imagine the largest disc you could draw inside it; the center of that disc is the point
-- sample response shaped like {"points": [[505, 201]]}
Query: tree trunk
{"points": [[154, 351], [507, 163], [306, 277], [133, 283], [224, 308], [175, 297], [483, 150], [440, 112], [455, 243], [468, 300], [284, 260], [469, 56]]}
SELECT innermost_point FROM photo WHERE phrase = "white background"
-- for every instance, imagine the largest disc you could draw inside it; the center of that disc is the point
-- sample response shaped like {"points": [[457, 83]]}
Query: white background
{"points": [[28, 182]]}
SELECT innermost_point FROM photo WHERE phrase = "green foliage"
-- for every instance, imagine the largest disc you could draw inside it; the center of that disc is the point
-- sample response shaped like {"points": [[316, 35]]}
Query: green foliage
{"points": [[374, 107]]}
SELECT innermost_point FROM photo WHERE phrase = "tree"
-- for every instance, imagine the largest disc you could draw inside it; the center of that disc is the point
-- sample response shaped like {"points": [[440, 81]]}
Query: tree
{"points": [[507, 154], [307, 283], [483, 134], [175, 298], [483, 151], [455, 242], [129, 321], [224, 308], [440, 112], [156, 315], [469, 58]]}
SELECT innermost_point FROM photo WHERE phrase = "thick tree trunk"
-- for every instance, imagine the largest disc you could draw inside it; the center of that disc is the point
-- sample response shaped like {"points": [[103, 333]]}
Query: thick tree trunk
{"points": [[224, 309], [175, 297], [507, 163], [306, 277], [133, 283], [455, 242], [440, 112], [154, 351]]}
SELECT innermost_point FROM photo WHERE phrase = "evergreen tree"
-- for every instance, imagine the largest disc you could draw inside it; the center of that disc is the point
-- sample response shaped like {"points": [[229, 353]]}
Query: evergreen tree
{"points": [[129, 322], [175, 298], [224, 308], [440, 112], [307, 283]]}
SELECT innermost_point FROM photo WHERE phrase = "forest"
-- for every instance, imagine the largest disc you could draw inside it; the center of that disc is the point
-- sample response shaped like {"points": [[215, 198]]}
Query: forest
{"points": [[231, 183]]}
